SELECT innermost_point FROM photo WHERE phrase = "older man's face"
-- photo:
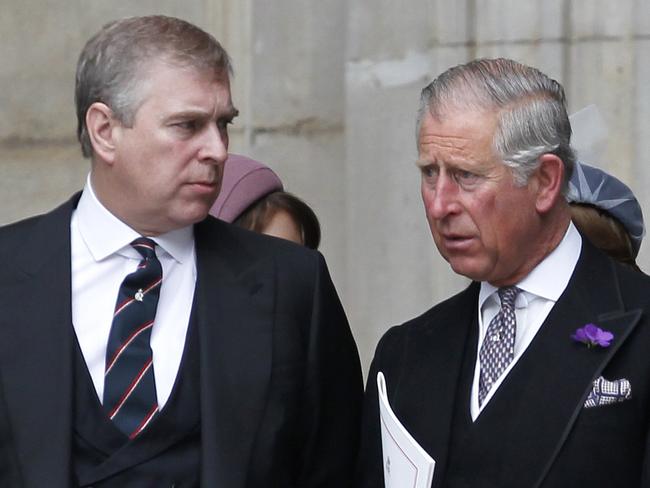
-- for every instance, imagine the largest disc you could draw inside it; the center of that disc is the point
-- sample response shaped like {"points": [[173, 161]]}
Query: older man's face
{"points": [[482, 223]]}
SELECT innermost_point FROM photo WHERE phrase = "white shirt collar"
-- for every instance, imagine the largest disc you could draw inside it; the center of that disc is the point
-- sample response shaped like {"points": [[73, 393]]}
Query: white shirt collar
{"points": [[551, 276], [104, 234]]}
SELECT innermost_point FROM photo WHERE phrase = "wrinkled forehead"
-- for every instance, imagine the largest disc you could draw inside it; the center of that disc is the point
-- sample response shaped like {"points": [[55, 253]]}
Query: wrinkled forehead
{"points": [[469, 123]]}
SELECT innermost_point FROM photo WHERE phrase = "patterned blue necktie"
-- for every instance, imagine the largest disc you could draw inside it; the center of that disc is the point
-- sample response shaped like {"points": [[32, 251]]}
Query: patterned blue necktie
{"points": [[498, 348], [129, 384]]}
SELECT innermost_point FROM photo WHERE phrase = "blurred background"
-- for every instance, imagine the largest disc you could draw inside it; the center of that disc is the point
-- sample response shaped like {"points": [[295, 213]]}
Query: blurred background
{"points": [[328, 93]]}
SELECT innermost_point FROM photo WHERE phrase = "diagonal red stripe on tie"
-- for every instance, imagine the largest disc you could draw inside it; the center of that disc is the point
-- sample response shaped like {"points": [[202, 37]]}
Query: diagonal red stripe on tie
{"points": [[142, 244], [122, 306], [130, 389], [128, 301], [144, 422], [152, 286], [128, 341]]}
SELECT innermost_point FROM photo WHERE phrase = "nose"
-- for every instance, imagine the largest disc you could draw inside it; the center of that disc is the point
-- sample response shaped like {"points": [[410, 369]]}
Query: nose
{"points": [[214, 145], [441, 198]]}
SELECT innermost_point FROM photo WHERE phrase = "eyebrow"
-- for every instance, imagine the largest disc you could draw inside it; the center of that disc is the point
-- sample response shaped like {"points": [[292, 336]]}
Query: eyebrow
{"points": [[422, 163], [230, 113]]}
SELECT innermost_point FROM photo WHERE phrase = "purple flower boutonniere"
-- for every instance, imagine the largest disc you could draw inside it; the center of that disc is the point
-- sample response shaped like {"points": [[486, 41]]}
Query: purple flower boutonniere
{"points": [[592, 336]]}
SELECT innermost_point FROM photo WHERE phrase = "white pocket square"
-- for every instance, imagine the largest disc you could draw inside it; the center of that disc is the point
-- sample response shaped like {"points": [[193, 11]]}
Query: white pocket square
{"points": [[606, 392]]}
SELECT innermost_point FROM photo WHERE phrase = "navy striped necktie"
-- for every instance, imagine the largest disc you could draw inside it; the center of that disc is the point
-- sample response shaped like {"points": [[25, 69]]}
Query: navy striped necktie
{"points": [[129, 383]]}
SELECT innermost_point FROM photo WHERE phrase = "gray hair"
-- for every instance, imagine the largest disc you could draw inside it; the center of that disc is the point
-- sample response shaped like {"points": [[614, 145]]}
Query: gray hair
{"points": [[531, 111], [112, 66]]}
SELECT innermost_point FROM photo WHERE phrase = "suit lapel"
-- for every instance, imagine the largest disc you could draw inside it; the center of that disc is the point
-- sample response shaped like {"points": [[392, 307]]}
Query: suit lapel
{"points": [[548, 386], [434, 355], [235, 304], [36, 360]]}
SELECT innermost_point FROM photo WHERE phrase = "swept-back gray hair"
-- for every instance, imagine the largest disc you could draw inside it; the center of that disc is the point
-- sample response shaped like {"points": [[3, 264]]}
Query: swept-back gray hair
{"points": [[530, 107], [112, 67]]}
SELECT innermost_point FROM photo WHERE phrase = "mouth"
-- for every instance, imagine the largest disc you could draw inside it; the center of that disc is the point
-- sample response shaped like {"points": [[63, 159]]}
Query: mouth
{"points": [[204, 186], [456, 242]]}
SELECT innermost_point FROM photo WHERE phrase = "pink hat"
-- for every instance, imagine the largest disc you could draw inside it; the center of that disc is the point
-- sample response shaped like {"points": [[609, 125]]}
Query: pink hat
{"points": [[244, 182]]}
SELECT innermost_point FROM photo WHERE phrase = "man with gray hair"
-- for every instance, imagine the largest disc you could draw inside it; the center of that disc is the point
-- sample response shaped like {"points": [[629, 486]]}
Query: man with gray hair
{"points": [[145, 344], [537, 374]]}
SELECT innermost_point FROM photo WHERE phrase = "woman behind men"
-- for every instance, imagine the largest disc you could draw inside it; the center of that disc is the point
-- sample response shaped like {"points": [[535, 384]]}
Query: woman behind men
{"points": [[606, 211], [252, 196]]}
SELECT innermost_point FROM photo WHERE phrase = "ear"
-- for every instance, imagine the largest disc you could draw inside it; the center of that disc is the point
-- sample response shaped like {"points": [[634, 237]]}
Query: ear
{"points": [[548, 176], [102, 127]]}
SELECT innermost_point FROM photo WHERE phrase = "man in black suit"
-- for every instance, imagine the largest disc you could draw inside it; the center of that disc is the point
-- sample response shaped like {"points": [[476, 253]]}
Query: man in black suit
{"points": [[226, 361], [537, 374]]}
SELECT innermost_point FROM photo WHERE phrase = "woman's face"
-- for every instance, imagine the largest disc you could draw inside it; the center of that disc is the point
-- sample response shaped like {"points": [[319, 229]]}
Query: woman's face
{"points": [[282, 225]]}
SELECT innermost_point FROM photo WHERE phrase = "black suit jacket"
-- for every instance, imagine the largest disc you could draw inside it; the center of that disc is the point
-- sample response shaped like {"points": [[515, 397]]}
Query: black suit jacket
{"points": [[280, 377], [551, 441]]}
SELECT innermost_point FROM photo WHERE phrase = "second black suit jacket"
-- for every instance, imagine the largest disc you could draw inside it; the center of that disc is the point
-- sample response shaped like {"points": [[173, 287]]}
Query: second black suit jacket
{"points": [[551, 440], [280, 377]]}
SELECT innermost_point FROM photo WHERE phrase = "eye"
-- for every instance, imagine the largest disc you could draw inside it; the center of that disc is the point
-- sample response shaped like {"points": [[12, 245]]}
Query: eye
{"points": [[466, 179], [430, 173], [187, 125]]}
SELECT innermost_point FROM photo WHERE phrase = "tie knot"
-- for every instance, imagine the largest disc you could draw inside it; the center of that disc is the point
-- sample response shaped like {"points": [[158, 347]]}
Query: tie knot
{"points": [[508, 294], [145, 246]]}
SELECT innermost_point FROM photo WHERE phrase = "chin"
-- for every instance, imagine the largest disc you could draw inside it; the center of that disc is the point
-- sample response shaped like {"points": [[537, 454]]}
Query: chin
{"points": [[191, 218], [468, 270]]}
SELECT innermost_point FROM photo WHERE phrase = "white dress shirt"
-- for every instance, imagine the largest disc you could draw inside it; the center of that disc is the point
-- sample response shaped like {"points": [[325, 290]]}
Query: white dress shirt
{"points": [[540, 290], [101, 259]]}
